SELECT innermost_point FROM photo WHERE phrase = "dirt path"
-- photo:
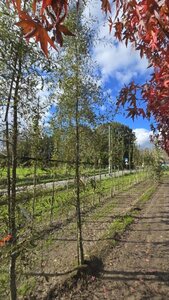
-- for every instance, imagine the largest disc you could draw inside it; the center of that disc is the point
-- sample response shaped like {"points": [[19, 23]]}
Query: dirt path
{"points": [[138, 267], [60, 254]]}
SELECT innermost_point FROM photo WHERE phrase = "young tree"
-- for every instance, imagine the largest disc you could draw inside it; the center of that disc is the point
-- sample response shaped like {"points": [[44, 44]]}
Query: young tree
{"points": [[17, 91], [77, 104], [144, 24], [11, 80]]}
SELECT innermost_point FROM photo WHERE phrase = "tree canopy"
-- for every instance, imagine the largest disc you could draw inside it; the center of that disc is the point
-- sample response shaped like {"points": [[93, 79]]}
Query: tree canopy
{"points": [[145, 24]]}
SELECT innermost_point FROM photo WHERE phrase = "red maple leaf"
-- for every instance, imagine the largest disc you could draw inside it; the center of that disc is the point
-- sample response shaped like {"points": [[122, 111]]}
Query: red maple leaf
{"points": [[34, 29], [106, 6], [62, 29]]}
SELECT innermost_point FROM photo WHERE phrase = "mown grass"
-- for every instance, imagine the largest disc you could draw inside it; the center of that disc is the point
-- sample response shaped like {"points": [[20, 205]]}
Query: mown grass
{"points": [[26, 175]]}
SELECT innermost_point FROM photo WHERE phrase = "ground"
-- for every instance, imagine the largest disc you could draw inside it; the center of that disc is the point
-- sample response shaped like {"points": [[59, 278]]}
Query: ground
{"points": [[138, 266]]}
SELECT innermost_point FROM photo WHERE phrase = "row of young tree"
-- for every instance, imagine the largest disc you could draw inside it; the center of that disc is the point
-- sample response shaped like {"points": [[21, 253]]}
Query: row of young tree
{"points": [[145, 25], [98, 146], [75, 133], [69, 78], [68, 81]]}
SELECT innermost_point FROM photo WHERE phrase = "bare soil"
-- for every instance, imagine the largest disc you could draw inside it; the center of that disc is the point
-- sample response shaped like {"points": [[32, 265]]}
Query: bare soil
{"points": [[59, 258], [137, 267]]}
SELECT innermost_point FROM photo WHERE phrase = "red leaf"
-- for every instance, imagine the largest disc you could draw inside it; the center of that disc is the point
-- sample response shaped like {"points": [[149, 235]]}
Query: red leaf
{"points": [[18, 5], [65, 30], [106, 6], [5, 240], [34, 6], [24, 16], [45, 3], [166, 83], [59, 38], [60, 7], [33, 29], [131, 113], [118, 30]]}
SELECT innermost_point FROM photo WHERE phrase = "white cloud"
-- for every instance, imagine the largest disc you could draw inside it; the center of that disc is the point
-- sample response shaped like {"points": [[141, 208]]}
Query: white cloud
{"points": [[116, 61], [143, 137], [119, 62]]}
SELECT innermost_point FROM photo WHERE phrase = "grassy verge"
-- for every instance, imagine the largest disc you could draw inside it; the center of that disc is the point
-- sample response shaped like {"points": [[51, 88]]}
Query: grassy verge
{"points": [[25, 175]]}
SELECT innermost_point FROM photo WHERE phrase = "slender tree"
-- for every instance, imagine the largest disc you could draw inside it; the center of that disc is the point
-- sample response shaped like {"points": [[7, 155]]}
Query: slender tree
{"points": [[145, 25], [17, 88], [77, 104]]}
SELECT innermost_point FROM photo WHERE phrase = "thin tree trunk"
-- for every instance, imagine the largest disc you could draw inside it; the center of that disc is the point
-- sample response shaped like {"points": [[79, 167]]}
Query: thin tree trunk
{"points": [[52, 200], [122, 157], [34, 190], [8, 143], [78, 206], [80, 251], [130, 155], [36, 150], [8, 176], [13, 288], [110, 150]]}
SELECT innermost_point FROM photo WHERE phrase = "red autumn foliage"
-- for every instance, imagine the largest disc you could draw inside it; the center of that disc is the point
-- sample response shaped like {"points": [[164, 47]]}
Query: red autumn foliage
{"points": [[48, 18], [32, 28], [106, 6], [5, 240], [145, 24]]}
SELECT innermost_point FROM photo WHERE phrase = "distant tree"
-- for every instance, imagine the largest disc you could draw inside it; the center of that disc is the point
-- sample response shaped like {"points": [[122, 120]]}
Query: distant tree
{"points": [[115, 143]]}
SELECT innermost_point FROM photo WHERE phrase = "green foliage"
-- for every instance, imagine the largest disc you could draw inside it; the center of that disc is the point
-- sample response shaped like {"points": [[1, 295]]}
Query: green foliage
{"points": [[26, 287], [4, 278], [121, 139], [78, 86], [157, 163]]}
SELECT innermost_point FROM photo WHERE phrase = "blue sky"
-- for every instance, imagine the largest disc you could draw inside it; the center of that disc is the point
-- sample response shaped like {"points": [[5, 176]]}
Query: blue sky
{"points": [[118, 65]]}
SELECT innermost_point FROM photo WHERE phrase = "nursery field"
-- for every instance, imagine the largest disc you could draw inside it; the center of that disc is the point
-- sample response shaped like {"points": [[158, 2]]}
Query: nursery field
{"points": [[47, 236], [84, 146], [134, 265]]}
